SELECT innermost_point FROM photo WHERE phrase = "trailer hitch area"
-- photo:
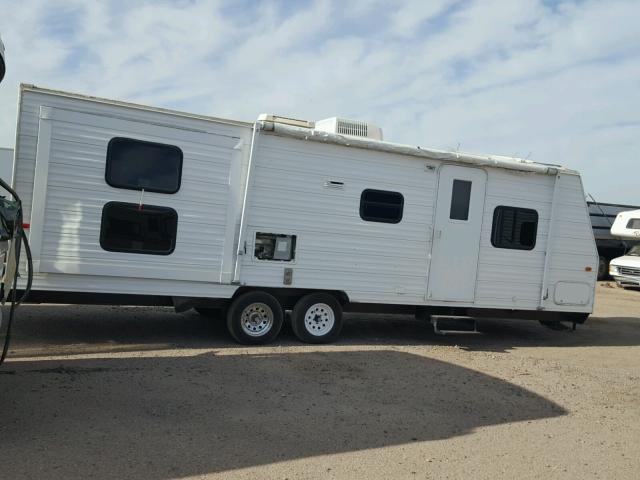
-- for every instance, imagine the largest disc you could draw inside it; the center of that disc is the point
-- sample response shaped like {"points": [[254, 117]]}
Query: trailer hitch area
{"points": [[452, 325], [9, 213]]}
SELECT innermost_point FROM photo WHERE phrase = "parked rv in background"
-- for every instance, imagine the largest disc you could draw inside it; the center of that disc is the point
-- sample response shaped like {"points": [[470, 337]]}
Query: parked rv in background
{"points": [[625, 270], [627, 225], [609, 245]]}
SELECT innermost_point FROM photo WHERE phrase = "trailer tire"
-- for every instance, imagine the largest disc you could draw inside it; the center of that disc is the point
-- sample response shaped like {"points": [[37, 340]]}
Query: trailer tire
{"points": [[317, 318], [255, 318]]}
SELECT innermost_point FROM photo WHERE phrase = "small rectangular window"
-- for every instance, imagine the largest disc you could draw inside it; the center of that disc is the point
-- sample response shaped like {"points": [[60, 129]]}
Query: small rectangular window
{"points": [[633, 223], [514, 228], [460, 197], [139, 165], [128, 227], [381, 206]]}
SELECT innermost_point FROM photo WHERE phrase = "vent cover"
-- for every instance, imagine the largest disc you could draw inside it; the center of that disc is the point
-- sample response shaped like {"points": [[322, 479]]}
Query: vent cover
{"points": [[354, 128]]}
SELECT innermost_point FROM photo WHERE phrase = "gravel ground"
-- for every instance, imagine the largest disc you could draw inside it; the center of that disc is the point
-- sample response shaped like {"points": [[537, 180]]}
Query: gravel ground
{"points": [[129, 392]]}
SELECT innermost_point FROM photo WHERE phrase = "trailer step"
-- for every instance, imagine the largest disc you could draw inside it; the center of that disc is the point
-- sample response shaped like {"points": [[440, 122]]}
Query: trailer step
{"points": [[449, 325]]}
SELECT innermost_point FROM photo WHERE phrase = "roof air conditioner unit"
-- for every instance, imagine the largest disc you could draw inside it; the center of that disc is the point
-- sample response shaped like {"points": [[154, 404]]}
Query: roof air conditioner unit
{"points": [[354, 128]]}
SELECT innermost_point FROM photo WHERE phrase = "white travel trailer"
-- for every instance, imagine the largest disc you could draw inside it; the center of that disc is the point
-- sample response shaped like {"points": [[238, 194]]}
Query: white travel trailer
{"points": [[141, 205], [625, 270]]}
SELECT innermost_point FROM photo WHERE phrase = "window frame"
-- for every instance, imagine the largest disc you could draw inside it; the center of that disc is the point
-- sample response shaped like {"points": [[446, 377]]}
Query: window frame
{"points": [[515, 209], [137, 251], [364, 202], [107, 168]]}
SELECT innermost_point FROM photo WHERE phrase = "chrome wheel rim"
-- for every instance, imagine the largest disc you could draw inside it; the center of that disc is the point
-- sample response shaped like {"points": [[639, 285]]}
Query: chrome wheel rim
{"points": [[319, 319], [256, 319]]}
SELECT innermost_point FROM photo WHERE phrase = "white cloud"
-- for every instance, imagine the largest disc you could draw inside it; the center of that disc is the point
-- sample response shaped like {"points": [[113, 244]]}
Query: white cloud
{"points": [[557, 80], [410, 15]]}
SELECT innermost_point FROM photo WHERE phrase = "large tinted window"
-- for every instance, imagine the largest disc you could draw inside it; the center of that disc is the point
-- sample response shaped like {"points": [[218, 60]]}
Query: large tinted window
{"points": [[381, 206], [514, 228], [127, 227], [138, 165], [460, 197]]}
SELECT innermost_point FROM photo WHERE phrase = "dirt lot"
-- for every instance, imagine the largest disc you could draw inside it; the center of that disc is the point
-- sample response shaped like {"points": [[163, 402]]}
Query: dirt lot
{"points": [[106, 392]]}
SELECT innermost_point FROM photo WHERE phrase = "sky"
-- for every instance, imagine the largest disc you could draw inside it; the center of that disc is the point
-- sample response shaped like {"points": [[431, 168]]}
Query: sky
{"points": [[552, 81]]}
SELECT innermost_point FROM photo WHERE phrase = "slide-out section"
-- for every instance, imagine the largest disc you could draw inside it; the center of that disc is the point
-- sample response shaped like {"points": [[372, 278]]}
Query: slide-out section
{"points": [[361, 219], [92, 198], [86, 174]]}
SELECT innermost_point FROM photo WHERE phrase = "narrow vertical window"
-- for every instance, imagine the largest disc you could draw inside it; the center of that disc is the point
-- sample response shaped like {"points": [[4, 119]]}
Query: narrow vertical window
{"points": [[460, 198]]}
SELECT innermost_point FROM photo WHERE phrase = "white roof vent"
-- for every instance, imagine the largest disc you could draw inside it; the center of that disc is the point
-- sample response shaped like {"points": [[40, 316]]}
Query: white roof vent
{"points": [[354, 128]]}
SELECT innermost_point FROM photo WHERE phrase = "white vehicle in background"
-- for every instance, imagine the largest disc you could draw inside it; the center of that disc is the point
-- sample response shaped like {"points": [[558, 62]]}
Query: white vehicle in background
{"points": [[627, 225], [609, 246], [625, 270]]}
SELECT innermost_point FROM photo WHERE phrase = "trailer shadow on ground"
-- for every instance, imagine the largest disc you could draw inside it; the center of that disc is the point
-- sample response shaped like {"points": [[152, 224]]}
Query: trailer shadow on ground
{"points": [[168, 417], [75, 329]]}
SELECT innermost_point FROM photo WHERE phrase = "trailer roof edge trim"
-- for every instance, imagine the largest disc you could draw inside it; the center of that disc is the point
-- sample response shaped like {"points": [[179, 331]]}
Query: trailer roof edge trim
{"points": [[137, 106], [510, 163]]}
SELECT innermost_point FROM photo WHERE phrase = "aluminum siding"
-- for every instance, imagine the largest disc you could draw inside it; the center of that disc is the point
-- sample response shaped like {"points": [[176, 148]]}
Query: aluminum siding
{"points": [[336, 249]]}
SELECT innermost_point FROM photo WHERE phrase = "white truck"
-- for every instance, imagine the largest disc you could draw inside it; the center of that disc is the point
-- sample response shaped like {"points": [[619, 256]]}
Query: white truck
{"points": [[138, 205], [625, 270]]}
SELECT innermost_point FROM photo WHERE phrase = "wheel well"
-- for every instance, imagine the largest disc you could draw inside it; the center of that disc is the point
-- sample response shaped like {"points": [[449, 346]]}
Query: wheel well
{"points": [[289, 296]]}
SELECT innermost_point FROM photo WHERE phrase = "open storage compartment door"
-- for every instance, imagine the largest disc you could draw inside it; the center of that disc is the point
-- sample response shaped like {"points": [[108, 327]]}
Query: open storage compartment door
{"points": [[82, 218]]}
